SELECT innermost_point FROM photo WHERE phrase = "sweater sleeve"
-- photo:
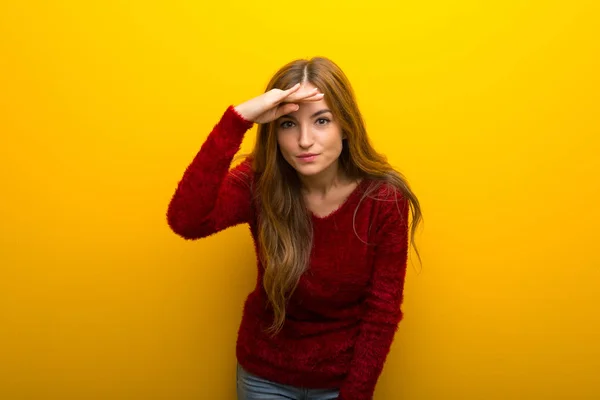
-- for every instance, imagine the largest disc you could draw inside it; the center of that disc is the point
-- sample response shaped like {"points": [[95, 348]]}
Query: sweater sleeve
{"points": [[210, 197], [383, 302]]}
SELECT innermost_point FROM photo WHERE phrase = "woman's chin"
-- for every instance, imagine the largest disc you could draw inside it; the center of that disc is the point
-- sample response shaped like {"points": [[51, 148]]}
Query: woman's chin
{"points": [[308, 169]]}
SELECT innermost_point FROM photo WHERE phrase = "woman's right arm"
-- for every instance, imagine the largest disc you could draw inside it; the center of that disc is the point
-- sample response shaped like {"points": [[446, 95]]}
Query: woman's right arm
{"points": [[210, 197]]}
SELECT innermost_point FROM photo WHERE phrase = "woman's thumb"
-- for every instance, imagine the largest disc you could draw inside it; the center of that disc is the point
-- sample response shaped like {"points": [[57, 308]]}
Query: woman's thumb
{"points": [[286, 109]]}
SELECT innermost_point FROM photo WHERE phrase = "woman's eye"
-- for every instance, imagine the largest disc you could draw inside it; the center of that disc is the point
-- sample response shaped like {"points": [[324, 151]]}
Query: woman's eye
{"points": [[289, 124]]}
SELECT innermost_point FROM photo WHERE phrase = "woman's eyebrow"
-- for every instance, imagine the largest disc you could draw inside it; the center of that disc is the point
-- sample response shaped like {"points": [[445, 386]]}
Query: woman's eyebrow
{"points": [[323, 111]]}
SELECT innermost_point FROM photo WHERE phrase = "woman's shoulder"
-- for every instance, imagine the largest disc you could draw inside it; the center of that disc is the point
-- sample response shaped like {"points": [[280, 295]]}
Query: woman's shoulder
{"points": [[389, 201], [383, 190]]}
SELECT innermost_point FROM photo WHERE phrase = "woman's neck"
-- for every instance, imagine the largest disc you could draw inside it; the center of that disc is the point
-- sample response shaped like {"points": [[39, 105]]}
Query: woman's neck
{"points": [[322, 183]]}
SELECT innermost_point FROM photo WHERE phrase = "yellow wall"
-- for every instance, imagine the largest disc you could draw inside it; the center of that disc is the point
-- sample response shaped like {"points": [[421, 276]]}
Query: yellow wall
{"points": [[490, 108]]}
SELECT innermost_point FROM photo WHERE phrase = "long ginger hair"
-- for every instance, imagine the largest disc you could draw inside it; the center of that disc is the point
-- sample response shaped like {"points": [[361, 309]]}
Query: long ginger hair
{"points": [[284, 222]]}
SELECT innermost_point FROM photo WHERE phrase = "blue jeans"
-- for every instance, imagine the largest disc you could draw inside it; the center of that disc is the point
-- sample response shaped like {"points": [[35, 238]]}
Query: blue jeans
{"points": [[252, 387]]}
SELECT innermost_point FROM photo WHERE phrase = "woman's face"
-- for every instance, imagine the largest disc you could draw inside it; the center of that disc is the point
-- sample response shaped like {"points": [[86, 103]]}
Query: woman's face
{"points": [[310, 139]]}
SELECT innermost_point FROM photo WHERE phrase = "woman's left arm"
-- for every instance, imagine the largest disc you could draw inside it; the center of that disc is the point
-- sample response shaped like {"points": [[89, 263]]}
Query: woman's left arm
{"points": [[383, 302]]}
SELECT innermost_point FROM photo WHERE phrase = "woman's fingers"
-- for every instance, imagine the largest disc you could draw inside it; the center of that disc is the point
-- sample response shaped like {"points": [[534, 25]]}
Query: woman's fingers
{"points": [[287, 93], [309, 95], [314, 97], [285, 99], [291, 90], [276, 96]]}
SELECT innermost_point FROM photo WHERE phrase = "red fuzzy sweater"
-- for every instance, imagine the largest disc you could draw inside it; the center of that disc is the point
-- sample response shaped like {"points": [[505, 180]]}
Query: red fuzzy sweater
{"points": [[342, 318]]}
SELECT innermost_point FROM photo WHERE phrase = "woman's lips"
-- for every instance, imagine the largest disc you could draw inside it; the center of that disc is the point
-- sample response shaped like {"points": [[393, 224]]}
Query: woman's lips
{"points": [[308, 158]]}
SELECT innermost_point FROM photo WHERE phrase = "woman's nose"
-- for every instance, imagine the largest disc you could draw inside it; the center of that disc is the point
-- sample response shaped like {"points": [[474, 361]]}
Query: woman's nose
{"points": [[306, 137]]}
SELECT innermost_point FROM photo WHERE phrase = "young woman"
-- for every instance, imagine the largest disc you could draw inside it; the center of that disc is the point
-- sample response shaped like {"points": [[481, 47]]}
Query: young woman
{"points": [[329, 219]]}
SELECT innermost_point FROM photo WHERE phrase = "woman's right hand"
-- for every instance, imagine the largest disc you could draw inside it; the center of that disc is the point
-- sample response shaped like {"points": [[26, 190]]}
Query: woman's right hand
{"points": [[276, 102]]}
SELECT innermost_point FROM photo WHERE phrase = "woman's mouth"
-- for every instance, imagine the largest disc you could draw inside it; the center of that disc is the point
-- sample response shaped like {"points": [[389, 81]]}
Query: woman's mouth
{"points": [[307, 157]]}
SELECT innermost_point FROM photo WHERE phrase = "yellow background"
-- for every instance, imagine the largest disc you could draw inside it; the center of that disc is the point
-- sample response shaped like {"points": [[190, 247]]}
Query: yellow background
{"points": [[491, 109]]}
